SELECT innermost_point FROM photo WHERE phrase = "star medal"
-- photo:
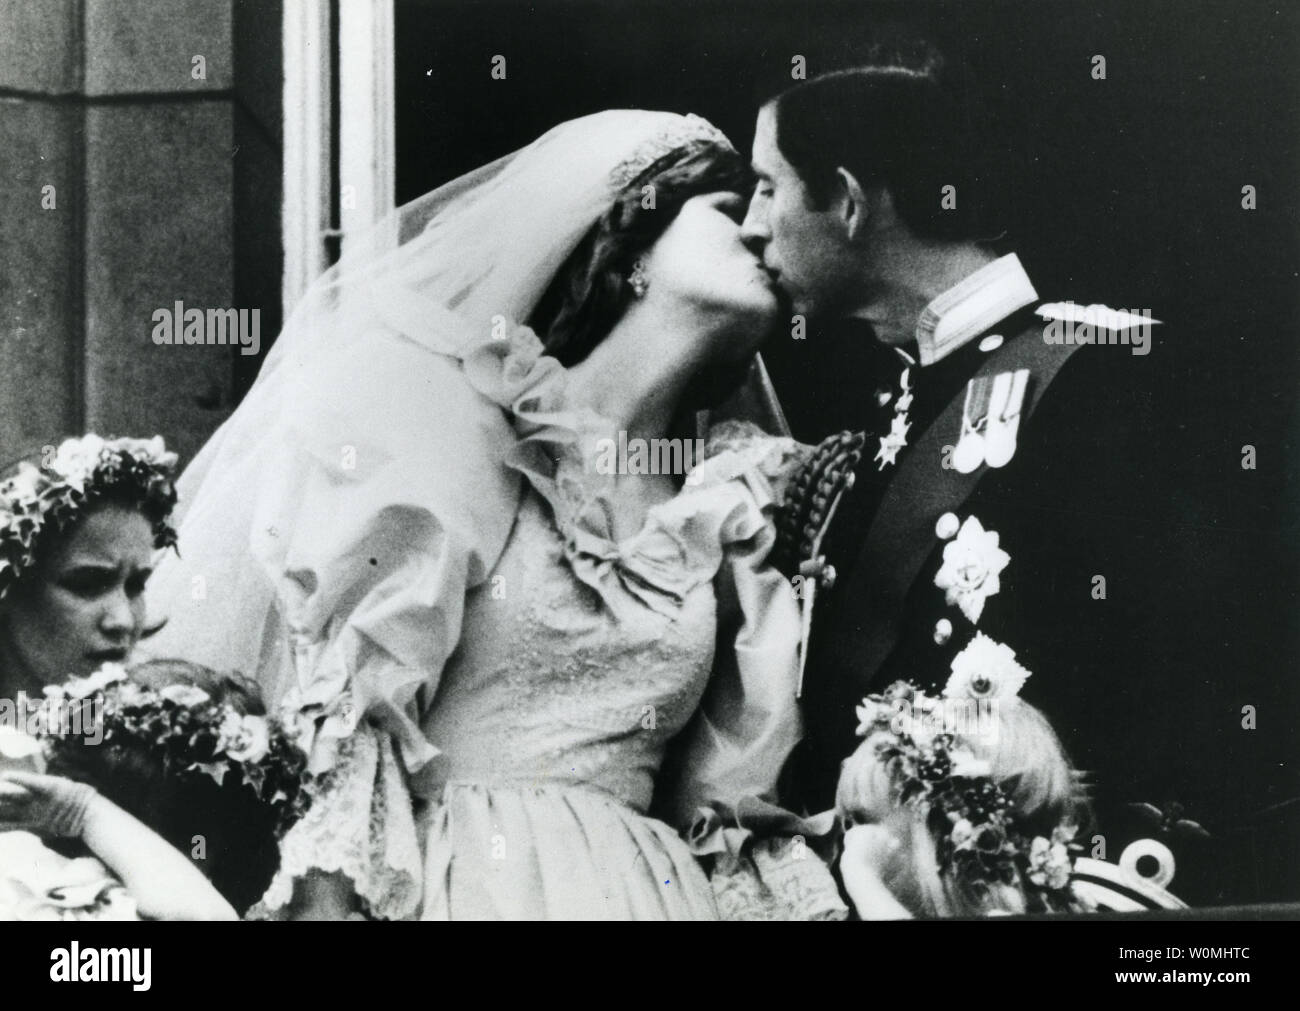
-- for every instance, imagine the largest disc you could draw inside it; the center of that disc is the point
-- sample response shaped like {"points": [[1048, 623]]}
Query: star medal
{"points": [[897, 438]]}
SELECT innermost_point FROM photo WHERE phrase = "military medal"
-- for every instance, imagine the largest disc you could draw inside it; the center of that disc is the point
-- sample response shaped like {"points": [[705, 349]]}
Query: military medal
{"points": [[1004, 416], [969, 452], [990, 420], [897, 438]]}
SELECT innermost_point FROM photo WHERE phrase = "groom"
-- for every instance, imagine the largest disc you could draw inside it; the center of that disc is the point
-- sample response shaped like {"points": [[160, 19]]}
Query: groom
{"points": [[980, 517]]}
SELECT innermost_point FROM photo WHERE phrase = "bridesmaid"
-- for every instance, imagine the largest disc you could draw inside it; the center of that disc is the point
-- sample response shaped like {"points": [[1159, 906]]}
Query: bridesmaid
{"points": [[77, 539], [178, 819]]}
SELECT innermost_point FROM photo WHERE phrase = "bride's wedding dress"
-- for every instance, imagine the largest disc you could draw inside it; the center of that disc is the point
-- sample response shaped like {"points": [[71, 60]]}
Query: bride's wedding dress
{"points": [[397, 535], [580, 659]]}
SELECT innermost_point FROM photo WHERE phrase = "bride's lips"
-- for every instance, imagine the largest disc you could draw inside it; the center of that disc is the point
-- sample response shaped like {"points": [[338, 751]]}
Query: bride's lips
{"points": [[108, 655], [763, 269]]}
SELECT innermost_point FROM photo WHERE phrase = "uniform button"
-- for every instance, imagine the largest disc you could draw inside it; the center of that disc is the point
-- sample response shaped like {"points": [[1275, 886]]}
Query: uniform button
{"points": [[991, 343], [942, 631], [947, 526]]}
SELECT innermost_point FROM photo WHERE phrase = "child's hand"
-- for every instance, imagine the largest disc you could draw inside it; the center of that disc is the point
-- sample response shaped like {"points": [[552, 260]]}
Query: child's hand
{"points": [[46, 805], [869, 847]]}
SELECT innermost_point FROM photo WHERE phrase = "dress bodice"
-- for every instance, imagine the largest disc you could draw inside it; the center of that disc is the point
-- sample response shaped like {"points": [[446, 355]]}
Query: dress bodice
{"points": [[549, 686], [546, 674]]}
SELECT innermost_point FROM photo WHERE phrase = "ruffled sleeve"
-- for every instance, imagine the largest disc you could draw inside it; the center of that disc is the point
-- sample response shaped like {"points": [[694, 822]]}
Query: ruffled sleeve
{"points": [[749, 720], [360, 825], [763, 861], [391, 500]]}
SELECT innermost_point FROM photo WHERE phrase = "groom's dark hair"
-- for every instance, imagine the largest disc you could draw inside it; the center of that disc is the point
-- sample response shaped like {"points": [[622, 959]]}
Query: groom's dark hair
{"points": [[893, 123]]}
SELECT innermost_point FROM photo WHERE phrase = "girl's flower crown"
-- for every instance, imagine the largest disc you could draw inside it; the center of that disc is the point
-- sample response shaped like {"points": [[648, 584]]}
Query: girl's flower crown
{"points": [[975, 824], [82, 470], [188, 732]]}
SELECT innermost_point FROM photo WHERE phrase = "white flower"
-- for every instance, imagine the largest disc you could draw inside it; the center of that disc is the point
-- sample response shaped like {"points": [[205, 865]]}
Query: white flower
{"points": [[870, 714], [184, 695], [971, 563], [76, 460], [109, 674], [23, 490], [132, 694], [1049, 864], [152, 451], [252, 742], [963, 834], [231, 730], [985, 669], [966, 765]]}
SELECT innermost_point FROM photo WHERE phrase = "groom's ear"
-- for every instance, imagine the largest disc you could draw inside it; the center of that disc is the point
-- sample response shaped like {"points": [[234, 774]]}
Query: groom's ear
{"points": [[853, 204]]}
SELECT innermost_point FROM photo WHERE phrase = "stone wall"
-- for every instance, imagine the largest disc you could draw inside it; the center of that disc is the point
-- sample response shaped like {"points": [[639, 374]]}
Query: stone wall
{"points": [[165, 181]]}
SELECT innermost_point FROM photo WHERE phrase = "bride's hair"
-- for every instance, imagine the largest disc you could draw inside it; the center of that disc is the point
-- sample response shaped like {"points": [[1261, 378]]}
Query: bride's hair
{"points": [[1027, 762], [234, 828], [590, 292]]}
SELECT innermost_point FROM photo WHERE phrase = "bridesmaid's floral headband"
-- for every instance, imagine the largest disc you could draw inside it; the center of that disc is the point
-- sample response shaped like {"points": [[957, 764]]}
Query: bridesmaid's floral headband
{"points": [[186, 730], [935, 774], [81, 471]]}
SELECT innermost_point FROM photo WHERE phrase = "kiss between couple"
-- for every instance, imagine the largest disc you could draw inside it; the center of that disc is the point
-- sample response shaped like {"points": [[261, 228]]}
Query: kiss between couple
{"points": [[542, 689]]}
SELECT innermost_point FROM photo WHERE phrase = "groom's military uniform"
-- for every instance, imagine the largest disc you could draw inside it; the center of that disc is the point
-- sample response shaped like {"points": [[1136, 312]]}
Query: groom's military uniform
{"points": [[970, 516]]}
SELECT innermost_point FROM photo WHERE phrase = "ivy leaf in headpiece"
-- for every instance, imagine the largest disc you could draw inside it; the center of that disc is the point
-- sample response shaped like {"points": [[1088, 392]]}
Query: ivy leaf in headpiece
{"points": [[217, 770]]}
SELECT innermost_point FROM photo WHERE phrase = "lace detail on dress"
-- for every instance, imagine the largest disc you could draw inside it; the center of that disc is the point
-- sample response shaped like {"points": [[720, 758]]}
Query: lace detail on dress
{"points": [[360, 824], [777, 879], [736, 447], [734, 436]]}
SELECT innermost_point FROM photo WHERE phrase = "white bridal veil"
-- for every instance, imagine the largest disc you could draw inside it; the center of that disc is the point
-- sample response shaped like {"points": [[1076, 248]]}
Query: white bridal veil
{"points": [[317, 526]]}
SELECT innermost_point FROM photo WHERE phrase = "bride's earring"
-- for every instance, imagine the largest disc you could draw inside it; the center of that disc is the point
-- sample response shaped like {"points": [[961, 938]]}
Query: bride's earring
{"points": [[637, 279]]}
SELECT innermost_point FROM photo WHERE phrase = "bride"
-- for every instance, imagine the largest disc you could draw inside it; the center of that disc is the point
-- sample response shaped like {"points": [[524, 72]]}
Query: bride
{"points": [[489, 643]]}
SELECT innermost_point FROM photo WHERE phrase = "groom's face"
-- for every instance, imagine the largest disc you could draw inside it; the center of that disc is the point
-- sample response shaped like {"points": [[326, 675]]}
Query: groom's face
{"points": [[805, 249]]}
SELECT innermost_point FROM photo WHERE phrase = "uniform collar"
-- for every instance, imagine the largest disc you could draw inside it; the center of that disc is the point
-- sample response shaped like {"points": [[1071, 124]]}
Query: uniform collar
{"points": [[971, 306]]}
